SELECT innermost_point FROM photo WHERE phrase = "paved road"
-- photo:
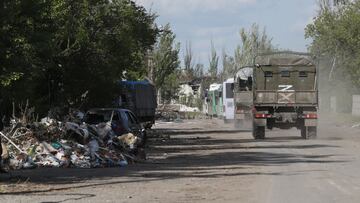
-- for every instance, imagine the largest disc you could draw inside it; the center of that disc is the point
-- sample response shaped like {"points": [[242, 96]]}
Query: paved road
{"points": [[208, 161]]}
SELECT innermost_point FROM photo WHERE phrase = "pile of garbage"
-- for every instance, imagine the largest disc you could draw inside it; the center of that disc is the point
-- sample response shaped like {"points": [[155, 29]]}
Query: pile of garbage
{"points": [[51, 143]]}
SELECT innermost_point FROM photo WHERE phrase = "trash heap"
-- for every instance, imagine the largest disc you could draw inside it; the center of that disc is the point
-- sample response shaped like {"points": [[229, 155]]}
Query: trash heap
{"points": [[50, 143]]}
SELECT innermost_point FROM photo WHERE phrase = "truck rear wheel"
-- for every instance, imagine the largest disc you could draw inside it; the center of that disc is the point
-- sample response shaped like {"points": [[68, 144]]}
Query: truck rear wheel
{"points": [[258, 132], [309, 132]]}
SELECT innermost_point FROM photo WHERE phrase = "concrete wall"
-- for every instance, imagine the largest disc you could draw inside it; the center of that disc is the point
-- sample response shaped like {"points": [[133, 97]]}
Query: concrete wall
{"points": [[356, 105]]}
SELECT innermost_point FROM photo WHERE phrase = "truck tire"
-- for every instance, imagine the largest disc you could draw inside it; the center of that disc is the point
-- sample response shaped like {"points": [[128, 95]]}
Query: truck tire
{"points": [[309, 132], [258, 132]]}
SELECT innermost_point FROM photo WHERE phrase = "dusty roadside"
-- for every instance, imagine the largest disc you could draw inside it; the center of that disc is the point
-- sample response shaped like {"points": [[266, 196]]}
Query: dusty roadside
{"points": [[209, 161]]}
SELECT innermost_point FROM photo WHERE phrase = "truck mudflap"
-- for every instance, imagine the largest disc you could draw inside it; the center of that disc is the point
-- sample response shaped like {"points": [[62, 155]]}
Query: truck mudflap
{"points": [[260, 122], [310, 119], [310, 122], [260, 118]]}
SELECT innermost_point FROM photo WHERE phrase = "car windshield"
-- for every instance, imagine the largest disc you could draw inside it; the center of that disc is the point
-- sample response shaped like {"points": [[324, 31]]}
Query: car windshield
{"points": [[101, 116]]}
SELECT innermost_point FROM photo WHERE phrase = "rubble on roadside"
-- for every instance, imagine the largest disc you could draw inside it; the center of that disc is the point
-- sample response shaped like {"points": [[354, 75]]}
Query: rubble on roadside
{"points": [[51, 143], [176, 112]]}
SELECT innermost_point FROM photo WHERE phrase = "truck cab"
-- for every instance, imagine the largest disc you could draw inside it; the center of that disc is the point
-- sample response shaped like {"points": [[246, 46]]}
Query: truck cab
{"points": [[243, 96]]}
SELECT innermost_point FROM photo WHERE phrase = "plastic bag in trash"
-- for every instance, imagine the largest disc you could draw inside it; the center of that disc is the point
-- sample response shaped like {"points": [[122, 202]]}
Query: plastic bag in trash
{"points": [[94, 148], [5, 153], [123, 163], [128, 139]]}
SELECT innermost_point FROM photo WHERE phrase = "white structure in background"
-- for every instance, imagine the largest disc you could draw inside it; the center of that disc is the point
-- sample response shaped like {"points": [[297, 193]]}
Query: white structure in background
{"points": [[189, 95], [184, 108], [190, 91], [186, 90], [228, 100]]}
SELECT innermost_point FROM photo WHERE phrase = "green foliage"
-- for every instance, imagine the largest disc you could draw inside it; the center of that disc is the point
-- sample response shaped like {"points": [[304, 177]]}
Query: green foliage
{"points": [[188, 57], [253, 42], [213, 62], [166, 63], [6, 80], [336, 34], [229, 68], [190, 70], [63, 48], [198, 70], [170, 88]]}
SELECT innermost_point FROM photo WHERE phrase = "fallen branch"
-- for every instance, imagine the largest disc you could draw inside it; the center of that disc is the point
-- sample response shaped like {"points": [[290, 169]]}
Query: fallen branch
{"points": [[12, 143]]}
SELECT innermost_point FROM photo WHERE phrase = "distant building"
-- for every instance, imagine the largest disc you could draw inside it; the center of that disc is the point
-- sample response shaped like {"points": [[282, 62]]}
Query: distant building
{"points": [[190, 93]]}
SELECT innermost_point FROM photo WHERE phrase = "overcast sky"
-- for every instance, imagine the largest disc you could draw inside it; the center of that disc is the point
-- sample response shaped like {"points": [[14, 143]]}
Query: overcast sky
{"points": [[201, 21]]}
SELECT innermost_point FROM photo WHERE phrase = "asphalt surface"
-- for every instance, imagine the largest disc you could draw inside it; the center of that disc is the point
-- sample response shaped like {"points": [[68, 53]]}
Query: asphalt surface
{"points": [[209, 161]]}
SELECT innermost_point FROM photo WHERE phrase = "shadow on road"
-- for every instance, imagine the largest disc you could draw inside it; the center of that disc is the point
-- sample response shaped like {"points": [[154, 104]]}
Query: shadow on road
{"points": [[182, 157], [194, 132]]}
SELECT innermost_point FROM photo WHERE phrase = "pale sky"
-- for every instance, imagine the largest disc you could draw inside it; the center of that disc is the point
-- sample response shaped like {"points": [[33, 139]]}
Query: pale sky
{"points": [[201, 21]]}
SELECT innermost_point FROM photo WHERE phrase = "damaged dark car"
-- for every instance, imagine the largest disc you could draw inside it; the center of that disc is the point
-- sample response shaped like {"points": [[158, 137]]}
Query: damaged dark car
{"points": [[122, 121]]}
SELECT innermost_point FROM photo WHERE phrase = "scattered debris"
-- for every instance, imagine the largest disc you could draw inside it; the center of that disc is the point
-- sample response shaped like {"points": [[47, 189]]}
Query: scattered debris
{"points": [[51, 143]]}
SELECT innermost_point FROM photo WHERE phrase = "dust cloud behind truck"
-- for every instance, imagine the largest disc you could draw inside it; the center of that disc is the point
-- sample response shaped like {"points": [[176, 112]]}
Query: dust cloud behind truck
{"points": [[140, 98], [285, 93]]}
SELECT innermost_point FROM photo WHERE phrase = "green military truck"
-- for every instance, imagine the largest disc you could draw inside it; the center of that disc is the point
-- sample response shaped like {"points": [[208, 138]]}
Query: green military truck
{"points": [[285, 93]]}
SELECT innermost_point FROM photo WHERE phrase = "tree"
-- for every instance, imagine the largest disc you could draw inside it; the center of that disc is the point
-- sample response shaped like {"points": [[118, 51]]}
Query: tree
{"points": [[57, 50], [189, 62], [166, 61], [228, 64], [170, 87], [253, 42], [213, 62], [26, 28], [103, 41], [199, 70], [335, 33], [189, 57]]}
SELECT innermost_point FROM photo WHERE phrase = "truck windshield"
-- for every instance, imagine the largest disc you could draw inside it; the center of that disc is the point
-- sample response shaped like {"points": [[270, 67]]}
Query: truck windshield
{"points": [[97, 117]]}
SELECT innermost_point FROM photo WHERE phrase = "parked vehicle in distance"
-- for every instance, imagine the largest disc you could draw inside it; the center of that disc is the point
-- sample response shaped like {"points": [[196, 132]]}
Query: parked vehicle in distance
{"points": [[140, 98], [214, 100], [122, 121], [285, 93], [228, 100], [243, 96]]}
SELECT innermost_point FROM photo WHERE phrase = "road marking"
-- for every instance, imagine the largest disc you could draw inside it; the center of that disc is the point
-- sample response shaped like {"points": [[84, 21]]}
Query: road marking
{"points": [[343, 190]]}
